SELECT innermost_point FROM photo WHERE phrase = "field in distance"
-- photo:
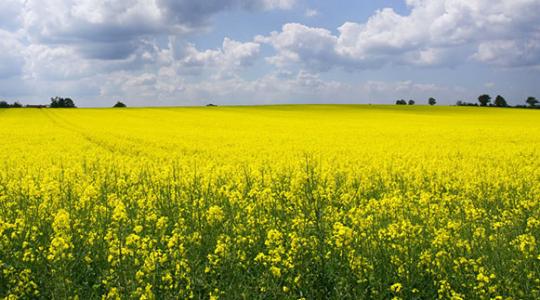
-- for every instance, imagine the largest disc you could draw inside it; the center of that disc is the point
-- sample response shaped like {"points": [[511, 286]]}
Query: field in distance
{"points": [[279, 202]]}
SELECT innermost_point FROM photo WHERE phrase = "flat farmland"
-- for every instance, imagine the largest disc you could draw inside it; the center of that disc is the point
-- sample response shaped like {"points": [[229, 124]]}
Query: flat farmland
{"points": [[270, 202]]}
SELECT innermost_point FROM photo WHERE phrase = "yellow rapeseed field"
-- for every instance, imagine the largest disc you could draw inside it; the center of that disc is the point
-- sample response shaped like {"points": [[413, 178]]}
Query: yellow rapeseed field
{"points": [[277, 202]]}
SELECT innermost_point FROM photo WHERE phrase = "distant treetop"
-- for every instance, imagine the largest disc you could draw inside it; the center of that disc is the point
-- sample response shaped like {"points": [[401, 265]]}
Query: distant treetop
{"points": [[401, 102], [120, 104], [532, 101], [500, 101], [484, 100], [58, 102]]}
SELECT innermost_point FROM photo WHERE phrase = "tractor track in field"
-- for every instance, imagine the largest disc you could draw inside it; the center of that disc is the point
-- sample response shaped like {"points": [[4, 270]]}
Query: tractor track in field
{"points": [[100, 142]]}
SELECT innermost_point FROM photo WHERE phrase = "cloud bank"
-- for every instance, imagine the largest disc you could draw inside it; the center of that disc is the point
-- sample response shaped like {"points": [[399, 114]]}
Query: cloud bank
{"points": [[97, 50], [435, 33]]}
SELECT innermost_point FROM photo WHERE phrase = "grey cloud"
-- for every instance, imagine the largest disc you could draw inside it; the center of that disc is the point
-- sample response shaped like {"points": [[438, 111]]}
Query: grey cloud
{"points": [[11, 59], [510, 53], [195, 13], [10, 66], [107, 51], [59, 40], [73, 22], [70, 22], [10, 14], [11, 63]]}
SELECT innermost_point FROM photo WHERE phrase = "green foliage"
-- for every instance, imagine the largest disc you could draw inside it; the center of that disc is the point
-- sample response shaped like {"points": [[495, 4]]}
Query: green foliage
{"points": [[119, 105], [432, 101], [500, 101], [4, 104], [58, 102], [401, 102], [484, 99], [532, 101]]}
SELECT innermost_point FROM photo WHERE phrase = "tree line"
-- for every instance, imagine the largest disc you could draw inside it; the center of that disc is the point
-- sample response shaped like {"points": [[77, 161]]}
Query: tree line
{"points": [[56, 102], [483, 100], [431, 101], [499, 101], [4, 104]]}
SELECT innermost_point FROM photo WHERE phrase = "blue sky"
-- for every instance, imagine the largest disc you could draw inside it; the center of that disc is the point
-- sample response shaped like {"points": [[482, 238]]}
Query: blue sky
{"points": [[190, 52]]}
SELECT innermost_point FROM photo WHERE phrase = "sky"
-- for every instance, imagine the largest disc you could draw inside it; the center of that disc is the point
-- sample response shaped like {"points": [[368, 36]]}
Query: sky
{"points": [[248, 52]]}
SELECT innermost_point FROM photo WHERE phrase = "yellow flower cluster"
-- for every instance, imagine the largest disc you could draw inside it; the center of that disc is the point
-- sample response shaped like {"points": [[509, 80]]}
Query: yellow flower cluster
{"points": [[279, 202]]}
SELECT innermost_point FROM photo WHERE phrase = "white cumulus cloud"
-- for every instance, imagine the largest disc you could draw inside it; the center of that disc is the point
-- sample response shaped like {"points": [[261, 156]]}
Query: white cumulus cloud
{"points": [[433, 33]]}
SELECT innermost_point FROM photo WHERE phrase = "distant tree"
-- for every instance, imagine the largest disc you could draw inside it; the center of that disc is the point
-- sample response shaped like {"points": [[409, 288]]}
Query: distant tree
{"points": [[16, 105], [411, 102], [432, 101], [58, 102], [69, 103], [401, 102], [532, 101], [4, 104], [211, 105], [55, 102], [500, 101], [120, 104], [484, 100]]}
